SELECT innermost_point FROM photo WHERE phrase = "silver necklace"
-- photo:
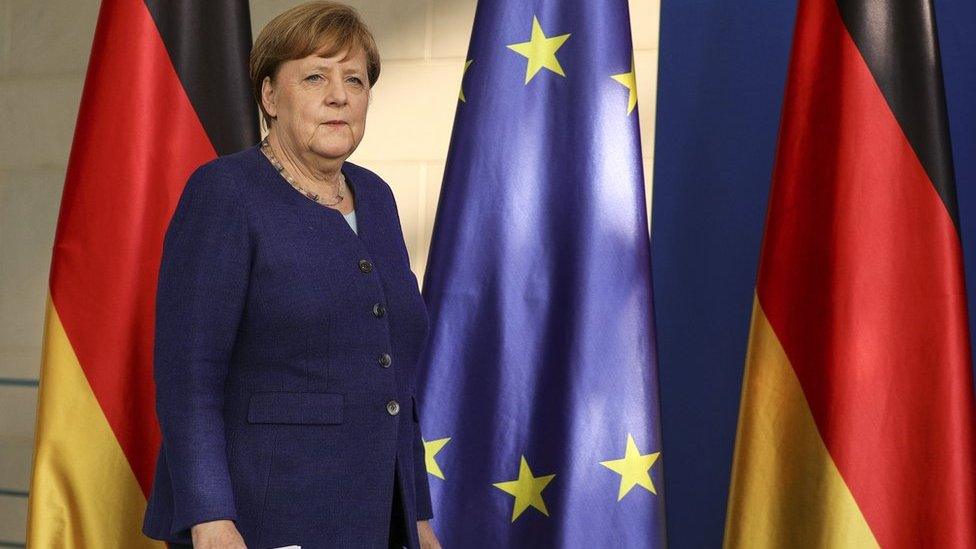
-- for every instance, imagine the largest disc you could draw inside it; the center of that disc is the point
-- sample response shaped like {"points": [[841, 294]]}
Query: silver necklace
{"points": [[266, 149]]}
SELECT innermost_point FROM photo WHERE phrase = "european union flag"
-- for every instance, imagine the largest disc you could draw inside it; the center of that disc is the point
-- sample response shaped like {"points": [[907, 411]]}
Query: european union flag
{"points": [[539, 387]]}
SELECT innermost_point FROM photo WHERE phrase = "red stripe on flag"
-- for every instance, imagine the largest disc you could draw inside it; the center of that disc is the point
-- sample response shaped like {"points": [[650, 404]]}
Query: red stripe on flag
{"points": [[862, 280], [136, 141]]}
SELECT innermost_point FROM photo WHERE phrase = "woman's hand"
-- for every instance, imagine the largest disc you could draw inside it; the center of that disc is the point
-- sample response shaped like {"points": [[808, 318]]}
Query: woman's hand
{"points": [[427, 538], [217, 534]]}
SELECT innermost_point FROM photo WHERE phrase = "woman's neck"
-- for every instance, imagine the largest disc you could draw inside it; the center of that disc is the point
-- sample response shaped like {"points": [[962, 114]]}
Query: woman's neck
{"points": [[305, 166]]}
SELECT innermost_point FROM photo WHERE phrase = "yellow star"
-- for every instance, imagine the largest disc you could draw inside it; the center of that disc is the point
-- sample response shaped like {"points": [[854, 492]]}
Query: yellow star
{"points": [[540, 51], [634, 469], [629, 80], [430, 451], [527, 490], [461, 93]]}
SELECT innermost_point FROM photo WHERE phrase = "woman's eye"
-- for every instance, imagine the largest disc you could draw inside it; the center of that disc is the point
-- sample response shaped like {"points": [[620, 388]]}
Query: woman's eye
{"points": [[355, 81], [313, 77]]}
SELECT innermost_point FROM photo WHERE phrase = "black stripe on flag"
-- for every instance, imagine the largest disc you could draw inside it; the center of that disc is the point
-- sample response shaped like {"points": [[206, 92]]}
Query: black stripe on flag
{"points": [[898, 41], [209, 43]]}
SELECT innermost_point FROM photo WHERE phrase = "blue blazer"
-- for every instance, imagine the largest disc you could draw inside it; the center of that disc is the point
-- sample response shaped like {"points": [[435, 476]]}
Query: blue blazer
{"points": [[285, 356]]}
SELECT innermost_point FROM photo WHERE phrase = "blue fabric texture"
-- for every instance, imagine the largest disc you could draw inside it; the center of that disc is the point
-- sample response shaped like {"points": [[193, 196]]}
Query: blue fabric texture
{"points": [[285, 356]]}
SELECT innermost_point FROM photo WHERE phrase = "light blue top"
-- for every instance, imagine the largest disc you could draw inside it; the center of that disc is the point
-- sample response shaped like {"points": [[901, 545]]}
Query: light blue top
{"points": [[351, 220]]}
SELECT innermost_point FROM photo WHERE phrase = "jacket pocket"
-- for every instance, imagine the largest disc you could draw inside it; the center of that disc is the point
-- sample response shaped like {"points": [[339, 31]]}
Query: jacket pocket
{"points": [[295, 408]]}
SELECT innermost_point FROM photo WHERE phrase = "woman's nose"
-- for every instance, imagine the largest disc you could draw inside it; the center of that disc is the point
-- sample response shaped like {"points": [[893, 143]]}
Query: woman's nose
{"points": [[335, 94]]}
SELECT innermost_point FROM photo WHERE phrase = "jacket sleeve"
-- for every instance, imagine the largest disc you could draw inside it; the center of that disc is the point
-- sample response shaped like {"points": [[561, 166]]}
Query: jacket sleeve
{"points": [[202, 287], [421, 482]]}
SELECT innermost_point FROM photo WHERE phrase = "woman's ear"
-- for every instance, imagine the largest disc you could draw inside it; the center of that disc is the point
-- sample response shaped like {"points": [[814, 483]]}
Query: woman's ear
{"points": [[268, 97]]}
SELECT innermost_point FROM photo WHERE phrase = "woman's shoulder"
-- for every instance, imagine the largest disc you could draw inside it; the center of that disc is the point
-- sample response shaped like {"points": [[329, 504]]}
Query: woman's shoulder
{"points": [[227, 175], [221, 188], [233, 165]]}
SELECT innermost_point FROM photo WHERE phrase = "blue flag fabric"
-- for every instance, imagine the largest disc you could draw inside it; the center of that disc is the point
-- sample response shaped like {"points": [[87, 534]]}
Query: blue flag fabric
{"points": [[539, 384]]}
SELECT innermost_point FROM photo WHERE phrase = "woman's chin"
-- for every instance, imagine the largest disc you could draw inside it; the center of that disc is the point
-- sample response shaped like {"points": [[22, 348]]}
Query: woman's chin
{"points": [[333, 149]]}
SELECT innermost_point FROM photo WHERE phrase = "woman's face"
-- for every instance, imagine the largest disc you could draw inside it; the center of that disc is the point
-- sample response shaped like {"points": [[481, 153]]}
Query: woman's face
{"points": [[319, 103]]}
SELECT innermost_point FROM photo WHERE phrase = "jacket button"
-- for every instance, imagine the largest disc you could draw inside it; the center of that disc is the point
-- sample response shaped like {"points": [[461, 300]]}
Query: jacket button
{"points": [[379, 310], [365, 266], [393, 407], [385, 360]]}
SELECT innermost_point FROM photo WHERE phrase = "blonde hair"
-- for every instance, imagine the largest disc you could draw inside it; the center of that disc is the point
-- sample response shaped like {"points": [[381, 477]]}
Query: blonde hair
{"points": [[323, 28]]}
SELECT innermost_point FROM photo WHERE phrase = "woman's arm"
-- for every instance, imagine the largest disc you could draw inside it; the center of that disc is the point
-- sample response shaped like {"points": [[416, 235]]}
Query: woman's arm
{"points": [[201, 292], [218, 534]]}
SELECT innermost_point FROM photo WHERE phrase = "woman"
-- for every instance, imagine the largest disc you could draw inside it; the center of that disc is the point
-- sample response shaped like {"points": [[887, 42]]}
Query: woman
{"points": [[289, 324]]}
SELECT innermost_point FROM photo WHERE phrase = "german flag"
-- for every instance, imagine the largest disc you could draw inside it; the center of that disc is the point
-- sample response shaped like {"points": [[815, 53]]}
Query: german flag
{"points": [[166, 90], [857, 419]]}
